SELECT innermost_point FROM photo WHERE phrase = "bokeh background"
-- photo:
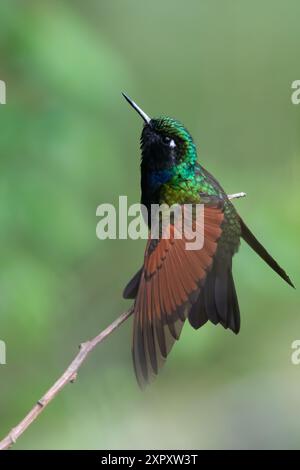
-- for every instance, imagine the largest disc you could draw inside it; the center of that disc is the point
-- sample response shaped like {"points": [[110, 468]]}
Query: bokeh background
{"points": [[69, 142]]}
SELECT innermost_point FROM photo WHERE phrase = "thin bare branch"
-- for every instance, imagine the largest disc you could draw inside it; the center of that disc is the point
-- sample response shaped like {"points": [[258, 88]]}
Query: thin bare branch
{"points": [[69, 375]]}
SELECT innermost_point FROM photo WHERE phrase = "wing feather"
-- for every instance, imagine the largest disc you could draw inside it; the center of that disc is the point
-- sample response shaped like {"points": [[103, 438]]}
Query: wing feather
{"points": [[170, 282]]}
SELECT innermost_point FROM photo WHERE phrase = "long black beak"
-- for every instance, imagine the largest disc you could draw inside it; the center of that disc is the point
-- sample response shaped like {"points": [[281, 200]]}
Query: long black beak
{"points": [[137, 108]]}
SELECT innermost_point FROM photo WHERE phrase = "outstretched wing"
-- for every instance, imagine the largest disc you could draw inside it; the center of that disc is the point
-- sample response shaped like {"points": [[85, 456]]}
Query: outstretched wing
{"points": [[169, 283]]}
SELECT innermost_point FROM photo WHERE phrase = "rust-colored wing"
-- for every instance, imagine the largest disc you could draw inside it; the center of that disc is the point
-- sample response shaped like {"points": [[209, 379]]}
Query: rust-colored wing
{"points": [[170, 282]]}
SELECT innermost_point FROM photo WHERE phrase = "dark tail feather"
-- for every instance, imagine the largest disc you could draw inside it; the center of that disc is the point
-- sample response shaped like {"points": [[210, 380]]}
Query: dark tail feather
{"points": [[130, 291], [234, 321], [262, 252], [217, 300], [197, 314]]}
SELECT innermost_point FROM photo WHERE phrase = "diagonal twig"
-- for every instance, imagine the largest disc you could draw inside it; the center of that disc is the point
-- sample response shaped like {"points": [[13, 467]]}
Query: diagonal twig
{"points": [[68, 376]]}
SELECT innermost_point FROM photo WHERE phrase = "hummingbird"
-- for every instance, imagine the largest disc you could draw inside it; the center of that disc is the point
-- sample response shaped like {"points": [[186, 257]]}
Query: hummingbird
{"points": [[174, 284]]}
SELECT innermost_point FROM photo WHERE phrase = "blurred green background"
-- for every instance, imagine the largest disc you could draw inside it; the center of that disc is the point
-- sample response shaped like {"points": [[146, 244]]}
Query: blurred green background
{"points": [[69, 142]]}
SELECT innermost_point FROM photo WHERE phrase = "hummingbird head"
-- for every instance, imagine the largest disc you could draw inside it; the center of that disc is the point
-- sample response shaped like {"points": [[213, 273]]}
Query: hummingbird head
{"points": [[167, 147]]}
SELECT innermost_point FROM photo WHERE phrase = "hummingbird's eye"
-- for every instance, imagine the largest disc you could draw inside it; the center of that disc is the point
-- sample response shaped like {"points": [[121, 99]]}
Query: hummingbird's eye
{"points": [[168, 141]]}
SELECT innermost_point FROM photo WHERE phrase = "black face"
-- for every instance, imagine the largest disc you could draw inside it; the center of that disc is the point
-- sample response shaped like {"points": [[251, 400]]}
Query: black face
{"points": [[160, 149]]}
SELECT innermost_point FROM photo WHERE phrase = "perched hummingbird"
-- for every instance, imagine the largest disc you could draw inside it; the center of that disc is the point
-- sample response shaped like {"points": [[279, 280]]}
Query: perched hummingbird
{"points": [[175, 284]]}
